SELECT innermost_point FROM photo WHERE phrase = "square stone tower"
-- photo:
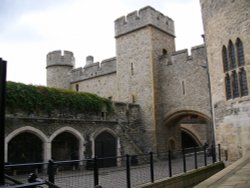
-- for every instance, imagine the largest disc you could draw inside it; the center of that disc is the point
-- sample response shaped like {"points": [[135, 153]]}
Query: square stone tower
{"points": [[141, 37]]}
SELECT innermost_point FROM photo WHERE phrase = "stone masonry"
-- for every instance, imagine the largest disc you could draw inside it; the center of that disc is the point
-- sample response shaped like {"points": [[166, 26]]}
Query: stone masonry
{"points": [[148, 71], [223, 21]]}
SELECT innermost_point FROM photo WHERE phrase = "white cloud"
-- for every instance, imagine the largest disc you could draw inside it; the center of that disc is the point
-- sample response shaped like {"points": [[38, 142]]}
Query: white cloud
{"points": [[83, 27]]}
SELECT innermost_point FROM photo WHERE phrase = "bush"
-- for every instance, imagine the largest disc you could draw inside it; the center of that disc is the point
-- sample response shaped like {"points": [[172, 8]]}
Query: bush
{"points": [[35, 99]]}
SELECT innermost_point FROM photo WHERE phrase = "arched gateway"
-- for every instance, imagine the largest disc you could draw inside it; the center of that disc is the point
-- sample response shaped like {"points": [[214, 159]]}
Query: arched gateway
{"points": [[189, 129], [106, 146]]}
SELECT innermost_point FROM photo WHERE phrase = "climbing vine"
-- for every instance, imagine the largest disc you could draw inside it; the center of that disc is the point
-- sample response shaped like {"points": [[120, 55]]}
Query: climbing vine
{"points": [[30, 98]]}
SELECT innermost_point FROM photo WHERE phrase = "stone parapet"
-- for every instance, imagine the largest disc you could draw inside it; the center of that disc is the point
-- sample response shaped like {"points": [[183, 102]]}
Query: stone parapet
{"points": [[142, 18], [58, 57], [94, 70]]}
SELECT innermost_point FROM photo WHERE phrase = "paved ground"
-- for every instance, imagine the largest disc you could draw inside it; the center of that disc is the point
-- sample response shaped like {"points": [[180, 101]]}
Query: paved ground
{"points": [[116, 177], [236, 175]]}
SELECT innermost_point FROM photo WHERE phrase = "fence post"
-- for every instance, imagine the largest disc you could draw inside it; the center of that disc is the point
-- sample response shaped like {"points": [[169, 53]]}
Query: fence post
{"points": [[3, 65], [195, 158], [205, 155], [169, 163], [96, 178], [51, 171], [213, 153], [184, 160], [226, 155], [151, 167], [128, 171], [219, 152]]}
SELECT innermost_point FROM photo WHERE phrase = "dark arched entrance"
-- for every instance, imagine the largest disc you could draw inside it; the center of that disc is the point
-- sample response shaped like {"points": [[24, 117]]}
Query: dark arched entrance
{"points": [[187, 140], [65, 146], [188, 129], [25, 148], [105, 146]]}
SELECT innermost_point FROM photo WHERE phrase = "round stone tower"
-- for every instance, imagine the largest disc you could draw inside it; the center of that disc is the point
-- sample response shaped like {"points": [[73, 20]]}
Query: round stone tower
{"points": [[227, 37], [59, 65]]}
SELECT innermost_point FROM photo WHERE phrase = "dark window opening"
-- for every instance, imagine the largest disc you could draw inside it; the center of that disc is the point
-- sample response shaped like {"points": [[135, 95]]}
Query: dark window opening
{"points": [[231, 53], [228, 87], [243, 82], [240, 52], [225, 59], [77, 87], [164, 52], [235, 84]]}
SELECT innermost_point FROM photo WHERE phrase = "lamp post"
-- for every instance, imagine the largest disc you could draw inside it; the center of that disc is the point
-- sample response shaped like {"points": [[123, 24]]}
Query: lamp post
{"points": [[2, 116]]}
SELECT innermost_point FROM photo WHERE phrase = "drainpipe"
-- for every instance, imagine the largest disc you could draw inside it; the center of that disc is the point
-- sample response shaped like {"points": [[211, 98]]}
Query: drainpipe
{"points": [[210, 95]]}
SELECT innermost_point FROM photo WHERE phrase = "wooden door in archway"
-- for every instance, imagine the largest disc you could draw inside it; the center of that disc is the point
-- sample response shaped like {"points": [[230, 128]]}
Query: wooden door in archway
{"points": [[105, 149]]}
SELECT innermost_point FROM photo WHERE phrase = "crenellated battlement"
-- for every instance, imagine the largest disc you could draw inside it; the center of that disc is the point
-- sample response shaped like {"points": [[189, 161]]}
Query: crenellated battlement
{"points": [[197, 53], [61, 58], [144, 17], [94, 69]]}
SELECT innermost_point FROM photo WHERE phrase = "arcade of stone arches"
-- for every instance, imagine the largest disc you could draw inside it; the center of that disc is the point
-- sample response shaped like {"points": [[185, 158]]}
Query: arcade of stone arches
{"points": [[29, 144]]}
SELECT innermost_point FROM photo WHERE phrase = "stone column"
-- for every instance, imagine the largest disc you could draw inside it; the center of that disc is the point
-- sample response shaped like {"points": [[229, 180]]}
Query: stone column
{"points": [[47, 151]]}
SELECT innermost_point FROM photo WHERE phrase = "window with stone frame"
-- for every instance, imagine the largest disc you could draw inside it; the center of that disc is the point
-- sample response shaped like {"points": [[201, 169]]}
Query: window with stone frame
{"points": [[243, 82], [234, 69], [231, 55], [235, 84], [225, 59], [240, 52], [228, 87]]}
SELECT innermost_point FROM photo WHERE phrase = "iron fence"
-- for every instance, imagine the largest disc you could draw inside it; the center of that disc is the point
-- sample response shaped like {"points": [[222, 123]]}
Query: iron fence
{"points": [[123, 171]]}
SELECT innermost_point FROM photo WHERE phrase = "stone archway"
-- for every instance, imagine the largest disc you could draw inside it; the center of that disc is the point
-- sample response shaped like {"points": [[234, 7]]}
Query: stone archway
{"points": [[69, 141], [25, 147], [188, 139], [188, 128], [17, 136], [106, 147], [65, 147]]}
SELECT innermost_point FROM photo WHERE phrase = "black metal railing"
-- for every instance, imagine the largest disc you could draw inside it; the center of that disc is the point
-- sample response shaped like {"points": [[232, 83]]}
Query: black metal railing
{"points": [[123, 171]]}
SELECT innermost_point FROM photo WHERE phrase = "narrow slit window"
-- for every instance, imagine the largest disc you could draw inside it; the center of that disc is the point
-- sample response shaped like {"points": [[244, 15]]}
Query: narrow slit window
{"points": [[183, 88], [133, 98], [132, 69], [77, 87]]}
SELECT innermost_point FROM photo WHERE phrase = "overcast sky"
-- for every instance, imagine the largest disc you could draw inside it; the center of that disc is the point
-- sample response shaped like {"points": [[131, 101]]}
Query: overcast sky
{"points": [[32, 28]]}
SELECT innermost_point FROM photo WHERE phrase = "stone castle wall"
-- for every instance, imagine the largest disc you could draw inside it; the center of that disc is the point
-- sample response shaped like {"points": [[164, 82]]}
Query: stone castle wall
{"points": [[183, 87], [223, 21], [98, 78], [148, 71], [123, 122]]}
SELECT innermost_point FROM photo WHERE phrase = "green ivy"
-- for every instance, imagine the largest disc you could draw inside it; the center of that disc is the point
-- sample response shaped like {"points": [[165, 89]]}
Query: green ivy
{"points": [[30, 98]]}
